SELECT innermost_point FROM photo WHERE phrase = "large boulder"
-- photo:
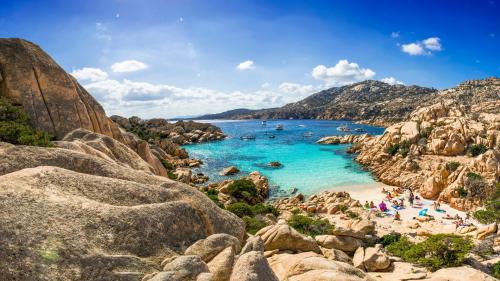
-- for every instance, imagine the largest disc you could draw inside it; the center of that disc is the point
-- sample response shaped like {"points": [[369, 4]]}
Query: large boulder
{"points": [[463, 273], [283, 237], [252, 266], [309, 266], [73, 225], [343, 243], [209, 247], [54, 101], [375, 259], [222, 265], [185, 268]]}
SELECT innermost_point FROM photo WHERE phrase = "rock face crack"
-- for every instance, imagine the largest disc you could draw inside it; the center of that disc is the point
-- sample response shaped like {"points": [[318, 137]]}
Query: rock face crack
{"points": [[44, 100]]}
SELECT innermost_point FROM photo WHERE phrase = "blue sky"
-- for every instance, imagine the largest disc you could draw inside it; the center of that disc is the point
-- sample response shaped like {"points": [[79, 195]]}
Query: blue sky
{"points": [[170, 58]]}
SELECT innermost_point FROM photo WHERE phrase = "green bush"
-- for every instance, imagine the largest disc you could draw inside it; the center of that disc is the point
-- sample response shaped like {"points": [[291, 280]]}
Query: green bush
{"points": [[496, 270], [389, 239], [167, 165], [352, 214], [243, 189], [473, 176], [213, 195], [240, 209], [393, 149], [310, 226], [171, 175], [404, 148], [477, 149], [262, 209], [452, 166], [462, 192], [14, 127], [343, 208], [437, 251], [252, 225], [491, 211]]}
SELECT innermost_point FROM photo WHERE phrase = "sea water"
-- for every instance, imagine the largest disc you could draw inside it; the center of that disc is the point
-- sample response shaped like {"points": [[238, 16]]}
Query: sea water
{"points": [[306, 165]]}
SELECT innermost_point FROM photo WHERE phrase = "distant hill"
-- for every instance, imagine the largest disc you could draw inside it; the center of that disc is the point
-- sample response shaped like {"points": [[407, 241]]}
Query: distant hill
{"points": [[370, 101], [239, 113]]}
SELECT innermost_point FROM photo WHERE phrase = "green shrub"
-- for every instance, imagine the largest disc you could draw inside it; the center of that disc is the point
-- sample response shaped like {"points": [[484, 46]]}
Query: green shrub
{"points": [[462, 192], [426, 132], [452, 166], [393, 149], [262, 209], [496, 270], [389, 239], [491, 211], [473, 176], [437, 251], [477, 149], [343, 208], [171, 175], [243, 189], [15, 129], [252, 225], [167, 165], [213, 195], [310, 226], [404, 148], [240, 209], [399, 247], [352, 214]]}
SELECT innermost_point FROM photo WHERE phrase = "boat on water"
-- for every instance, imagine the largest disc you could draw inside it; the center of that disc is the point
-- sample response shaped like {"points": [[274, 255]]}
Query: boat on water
{"points": [[264, 122], [247, 137], [343, 128], [308, 134], [279, 127], [360, 130], [272, 136]]}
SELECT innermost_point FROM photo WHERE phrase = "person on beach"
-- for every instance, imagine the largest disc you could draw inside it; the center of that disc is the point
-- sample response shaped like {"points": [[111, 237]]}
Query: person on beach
{"points": [[372, 205], [401, 203], [411, 198], [367, 205], [397, 217], [383, 207]]}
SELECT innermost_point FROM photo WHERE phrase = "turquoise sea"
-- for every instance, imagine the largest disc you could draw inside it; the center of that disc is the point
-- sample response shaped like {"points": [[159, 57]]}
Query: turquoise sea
{"points": [[307, 166]]}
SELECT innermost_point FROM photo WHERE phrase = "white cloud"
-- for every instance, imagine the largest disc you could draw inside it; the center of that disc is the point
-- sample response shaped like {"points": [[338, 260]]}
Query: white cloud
{"points": [[265, 85], [413, 49], [128, 66], [432, 43], [246, 65], [89, 74], [395, 34], [391, 81], [296, 89], [342, 73], [424, 47]]}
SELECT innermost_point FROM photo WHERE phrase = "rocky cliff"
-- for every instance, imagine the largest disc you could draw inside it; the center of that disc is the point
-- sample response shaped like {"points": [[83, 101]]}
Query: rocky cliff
{"points": [[448, 151], [370, 101], [54, 101]]}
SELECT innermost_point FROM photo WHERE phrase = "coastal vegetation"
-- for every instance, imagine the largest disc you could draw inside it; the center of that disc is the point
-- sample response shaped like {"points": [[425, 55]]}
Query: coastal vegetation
{"points": [[15, 129], [249, 214], [437, 251], [310, 226], [243, 189], [491, 211], [477, 149]]}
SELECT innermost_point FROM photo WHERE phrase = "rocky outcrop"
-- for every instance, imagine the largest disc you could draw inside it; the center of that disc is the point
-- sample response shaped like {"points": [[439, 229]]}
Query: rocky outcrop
{"points": [[54, 101], [448, 151], [252, 266], [283, 237], [309, 266], [211, 246], [78, 221]]}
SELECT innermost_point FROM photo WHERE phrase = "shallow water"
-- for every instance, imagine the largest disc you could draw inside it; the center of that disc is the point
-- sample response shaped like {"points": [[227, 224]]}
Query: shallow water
{"points": [[307, 166]]}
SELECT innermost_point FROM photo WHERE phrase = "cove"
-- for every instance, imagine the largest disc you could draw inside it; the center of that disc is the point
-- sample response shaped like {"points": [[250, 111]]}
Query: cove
{"points": [[307, 166]]}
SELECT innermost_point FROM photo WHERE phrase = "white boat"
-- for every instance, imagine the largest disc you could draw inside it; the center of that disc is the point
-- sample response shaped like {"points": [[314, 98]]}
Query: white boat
{"points": [[308, 134], [343, 128], [279, 127], [247, 137], [264, 122]]}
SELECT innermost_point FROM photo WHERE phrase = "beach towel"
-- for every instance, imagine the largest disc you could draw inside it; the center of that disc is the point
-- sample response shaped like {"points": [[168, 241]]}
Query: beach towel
{"points": [[440, 211], [423, 212]]}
